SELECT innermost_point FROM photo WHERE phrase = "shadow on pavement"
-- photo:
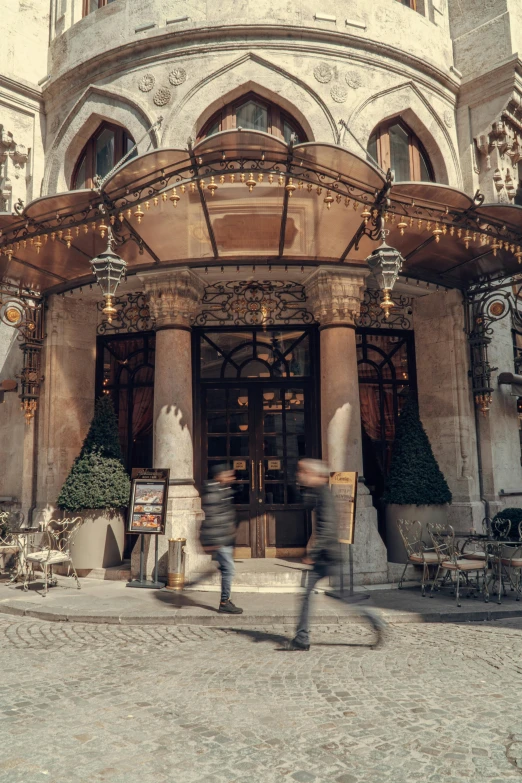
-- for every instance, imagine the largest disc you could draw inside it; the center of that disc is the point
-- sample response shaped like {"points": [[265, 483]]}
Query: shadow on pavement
{"points": [[179, 600], [259, 636]]}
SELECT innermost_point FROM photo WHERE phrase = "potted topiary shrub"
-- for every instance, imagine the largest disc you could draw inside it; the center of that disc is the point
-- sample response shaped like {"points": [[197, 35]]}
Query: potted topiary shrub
{"points": [[415, 487], [98, 489], [500, 526]]}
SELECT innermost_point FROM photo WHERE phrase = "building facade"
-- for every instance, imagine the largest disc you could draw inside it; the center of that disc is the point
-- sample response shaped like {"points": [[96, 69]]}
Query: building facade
{"points": [[251, 359]]}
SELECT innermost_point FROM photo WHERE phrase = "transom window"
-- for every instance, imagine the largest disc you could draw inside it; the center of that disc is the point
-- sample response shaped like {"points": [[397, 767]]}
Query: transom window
{"points": [[393, 145], [253, 113], [409, 3], [104, 149], [268, 353], [92, 5]]}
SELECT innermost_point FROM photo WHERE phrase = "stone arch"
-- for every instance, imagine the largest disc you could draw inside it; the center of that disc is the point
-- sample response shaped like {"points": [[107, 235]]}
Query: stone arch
{"points": [[407, 101], [249, 73], [95, 105]]}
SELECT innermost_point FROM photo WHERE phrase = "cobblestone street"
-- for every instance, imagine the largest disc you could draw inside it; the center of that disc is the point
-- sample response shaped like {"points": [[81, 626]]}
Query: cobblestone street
{"points": [[438, 703]]}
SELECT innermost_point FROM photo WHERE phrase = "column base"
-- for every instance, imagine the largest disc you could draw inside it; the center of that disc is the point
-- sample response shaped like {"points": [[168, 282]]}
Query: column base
{"points": [[464, 516], [369, 552], [184, 516]]}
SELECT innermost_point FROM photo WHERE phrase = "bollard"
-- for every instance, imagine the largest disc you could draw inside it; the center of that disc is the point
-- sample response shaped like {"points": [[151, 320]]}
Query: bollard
{"points": [[176, 564]]}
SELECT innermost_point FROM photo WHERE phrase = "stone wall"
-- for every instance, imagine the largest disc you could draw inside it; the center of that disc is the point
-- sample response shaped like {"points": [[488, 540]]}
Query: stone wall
{"points": [[67, 401], [445, 401]]}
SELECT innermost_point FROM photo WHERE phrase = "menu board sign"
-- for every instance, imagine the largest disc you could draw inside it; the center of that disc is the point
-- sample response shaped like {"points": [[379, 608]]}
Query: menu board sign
{"points": [[148, 506], [344, 489]]}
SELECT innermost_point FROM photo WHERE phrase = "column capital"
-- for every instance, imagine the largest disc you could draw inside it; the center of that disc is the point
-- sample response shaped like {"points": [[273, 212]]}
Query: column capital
{"points": [[335, 294], [174, 296]]}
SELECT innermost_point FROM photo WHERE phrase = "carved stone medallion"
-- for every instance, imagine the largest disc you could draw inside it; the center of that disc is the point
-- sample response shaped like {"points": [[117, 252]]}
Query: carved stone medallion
{"points": [[147, 82], [177, 76], [339, 94], [323, 73], [162, 96], [353, 79], [448, 118]]}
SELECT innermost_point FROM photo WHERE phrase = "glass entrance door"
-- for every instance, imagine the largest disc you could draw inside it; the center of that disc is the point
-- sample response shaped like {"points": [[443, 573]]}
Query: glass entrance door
{"points": [[262, 430]]}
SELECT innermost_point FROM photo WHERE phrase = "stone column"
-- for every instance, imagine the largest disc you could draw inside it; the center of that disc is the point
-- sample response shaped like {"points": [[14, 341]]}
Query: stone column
{"points": [[174, 298], [335, 295]]}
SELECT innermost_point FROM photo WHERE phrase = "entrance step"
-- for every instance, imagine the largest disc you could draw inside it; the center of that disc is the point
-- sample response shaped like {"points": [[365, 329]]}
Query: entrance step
{"points": [[257, 575], [114, 573]]}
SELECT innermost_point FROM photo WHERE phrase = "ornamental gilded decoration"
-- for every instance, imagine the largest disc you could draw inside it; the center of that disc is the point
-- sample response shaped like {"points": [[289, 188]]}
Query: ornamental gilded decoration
{"points": [[372, 316], [132, 315], [254, 303]]}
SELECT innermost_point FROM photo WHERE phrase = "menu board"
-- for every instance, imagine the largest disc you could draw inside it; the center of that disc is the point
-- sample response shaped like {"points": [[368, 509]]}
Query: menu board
{"points": [[149, 495], [344, 489]]}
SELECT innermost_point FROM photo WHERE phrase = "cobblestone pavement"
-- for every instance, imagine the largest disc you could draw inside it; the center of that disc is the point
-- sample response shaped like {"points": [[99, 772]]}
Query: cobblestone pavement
{"points": [[186, 704]]}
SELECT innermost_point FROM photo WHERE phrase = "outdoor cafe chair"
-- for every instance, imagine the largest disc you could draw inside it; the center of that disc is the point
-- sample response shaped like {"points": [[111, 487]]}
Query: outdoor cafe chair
{"points": [[419, 554], [509, 556], [59, 534], [451, 560], [9, 546]]}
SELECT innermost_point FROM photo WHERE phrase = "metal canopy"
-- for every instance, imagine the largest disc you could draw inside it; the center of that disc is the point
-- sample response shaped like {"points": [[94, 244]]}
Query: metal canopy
{"points": [[246, 197]]}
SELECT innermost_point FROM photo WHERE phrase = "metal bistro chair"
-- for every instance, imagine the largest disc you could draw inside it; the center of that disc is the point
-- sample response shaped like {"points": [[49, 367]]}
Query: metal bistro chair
{"points": [[510, 559], [59, 534], [9, 546], [418, 553], [450, 559]]}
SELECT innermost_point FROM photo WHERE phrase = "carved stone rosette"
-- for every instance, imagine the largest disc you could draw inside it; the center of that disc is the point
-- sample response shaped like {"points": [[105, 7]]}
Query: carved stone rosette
{"points": [[335, 295], [174, 297]]}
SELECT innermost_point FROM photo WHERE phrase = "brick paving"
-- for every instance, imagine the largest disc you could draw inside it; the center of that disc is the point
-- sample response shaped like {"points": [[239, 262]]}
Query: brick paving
{"points": [[85, 703]]}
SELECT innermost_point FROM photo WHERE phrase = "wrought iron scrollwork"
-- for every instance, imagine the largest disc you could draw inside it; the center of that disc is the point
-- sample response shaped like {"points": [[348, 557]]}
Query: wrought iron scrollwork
{"points": [[132, 315], [24, 311], [254, 303], [371, 315], [486, 307]]}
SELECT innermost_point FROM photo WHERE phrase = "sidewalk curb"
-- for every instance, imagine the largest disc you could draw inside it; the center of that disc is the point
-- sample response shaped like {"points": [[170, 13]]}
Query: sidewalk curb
{"points": [[219, 620]]}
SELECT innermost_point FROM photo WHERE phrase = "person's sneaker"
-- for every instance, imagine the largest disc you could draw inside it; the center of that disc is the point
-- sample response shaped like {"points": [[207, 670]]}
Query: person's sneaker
{"points": [[295, 644], [227, 607]]}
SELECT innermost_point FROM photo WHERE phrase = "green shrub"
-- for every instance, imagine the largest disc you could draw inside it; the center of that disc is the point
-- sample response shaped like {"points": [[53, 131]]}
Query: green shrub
{"points": [[97, 478], [415, 477]]}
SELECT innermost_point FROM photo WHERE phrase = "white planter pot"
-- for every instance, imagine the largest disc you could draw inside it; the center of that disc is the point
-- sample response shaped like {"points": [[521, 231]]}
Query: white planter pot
{"points": [[99, 541], [425, 514]]}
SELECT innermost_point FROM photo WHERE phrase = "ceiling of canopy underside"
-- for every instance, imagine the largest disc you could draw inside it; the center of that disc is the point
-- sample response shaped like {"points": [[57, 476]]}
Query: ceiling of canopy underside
{"points": [[245, 197]]}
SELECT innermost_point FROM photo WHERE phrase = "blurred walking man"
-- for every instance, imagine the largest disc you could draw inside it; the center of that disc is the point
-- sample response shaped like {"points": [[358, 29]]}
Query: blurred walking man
{"points": [[325, 554], [218, 530]]}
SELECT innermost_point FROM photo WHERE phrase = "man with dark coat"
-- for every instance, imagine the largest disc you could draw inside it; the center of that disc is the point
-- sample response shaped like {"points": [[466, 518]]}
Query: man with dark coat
{"points": [[325, 553], [218, 530]]}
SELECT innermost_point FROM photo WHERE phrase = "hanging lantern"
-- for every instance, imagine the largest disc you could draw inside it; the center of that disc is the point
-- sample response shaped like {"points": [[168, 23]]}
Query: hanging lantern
{"points": [[108, 268], [385, 263]]}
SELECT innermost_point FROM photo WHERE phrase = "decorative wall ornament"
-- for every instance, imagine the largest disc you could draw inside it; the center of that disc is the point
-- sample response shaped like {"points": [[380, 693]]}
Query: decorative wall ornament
{"points": [[371, 315], [339, 94], [13, 157], [162, 96], [448, 118], [254, 303], [147, 82], [24, 311], [132, 315], [323, 73], [177, 76], [174, 297], [353, 79], [499, 152], [485, 306]]}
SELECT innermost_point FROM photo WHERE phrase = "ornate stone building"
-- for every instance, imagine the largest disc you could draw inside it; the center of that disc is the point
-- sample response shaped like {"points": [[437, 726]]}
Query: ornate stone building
{"points": [[235, 338]]}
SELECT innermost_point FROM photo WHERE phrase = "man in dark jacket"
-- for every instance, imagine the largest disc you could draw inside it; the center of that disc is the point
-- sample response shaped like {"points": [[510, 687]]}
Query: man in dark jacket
{"points": [[325, 553], [218, 530]]}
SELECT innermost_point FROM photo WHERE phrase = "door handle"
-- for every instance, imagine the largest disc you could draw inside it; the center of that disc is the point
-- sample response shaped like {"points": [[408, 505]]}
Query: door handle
{"points": [[253, 475], [260, 474]]}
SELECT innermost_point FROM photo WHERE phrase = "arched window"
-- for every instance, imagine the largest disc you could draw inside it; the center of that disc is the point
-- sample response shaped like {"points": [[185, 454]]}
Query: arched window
{"points": [[104, 149], [251, 112], [394, 146]]}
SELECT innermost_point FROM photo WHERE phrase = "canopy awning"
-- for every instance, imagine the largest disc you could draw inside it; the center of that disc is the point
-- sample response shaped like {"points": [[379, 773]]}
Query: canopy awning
{"points": [[246, 197]]}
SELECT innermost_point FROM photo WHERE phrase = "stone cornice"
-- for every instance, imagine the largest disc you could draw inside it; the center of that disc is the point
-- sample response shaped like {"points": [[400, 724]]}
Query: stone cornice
{"points": [[21, 87], [235, 38]]}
